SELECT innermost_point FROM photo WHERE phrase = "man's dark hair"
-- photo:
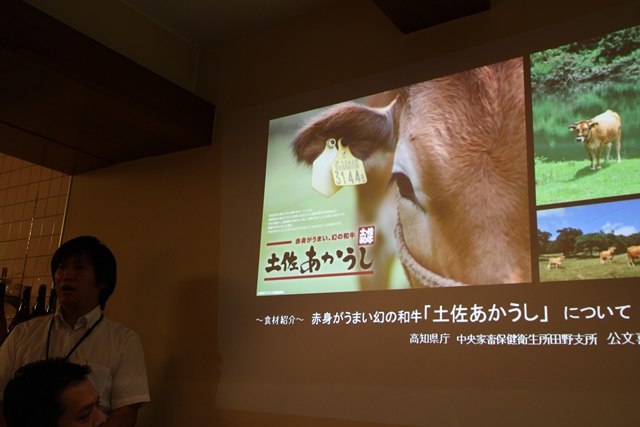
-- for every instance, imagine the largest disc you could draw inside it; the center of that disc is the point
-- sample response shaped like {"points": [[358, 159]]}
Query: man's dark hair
{"points": [[100, 257], [32, 398]]}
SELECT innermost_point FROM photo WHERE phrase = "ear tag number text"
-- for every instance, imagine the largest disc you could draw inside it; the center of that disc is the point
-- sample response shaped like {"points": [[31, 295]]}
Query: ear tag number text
{"points": [[347, 169]]}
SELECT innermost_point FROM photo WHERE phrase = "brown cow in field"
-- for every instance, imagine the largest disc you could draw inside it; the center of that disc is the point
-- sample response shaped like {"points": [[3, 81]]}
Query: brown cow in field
{"points": [[633, 252], [555, 261], [601, 131], [460, 169], [607, 255]]}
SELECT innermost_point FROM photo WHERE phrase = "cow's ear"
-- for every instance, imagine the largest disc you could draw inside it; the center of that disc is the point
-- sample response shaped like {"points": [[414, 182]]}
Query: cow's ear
{"points": [[593, 124], [572, 127]]}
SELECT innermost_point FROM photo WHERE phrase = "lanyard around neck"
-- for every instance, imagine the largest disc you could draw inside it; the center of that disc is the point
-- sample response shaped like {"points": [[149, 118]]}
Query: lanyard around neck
{"points": [[86, 334]]}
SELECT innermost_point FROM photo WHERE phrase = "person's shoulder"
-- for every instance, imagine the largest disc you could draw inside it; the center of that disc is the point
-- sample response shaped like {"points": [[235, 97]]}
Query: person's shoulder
{"points": [[33, 324], [25, 332], [118, 328], [122, 336]]}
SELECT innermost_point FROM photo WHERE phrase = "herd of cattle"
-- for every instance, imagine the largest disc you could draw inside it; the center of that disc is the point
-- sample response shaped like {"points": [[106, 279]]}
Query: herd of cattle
{"points": [[632, 252]]}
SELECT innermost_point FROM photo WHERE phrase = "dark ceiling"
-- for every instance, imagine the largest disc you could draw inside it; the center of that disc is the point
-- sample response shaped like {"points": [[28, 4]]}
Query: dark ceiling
{"points": [[73, 105]]}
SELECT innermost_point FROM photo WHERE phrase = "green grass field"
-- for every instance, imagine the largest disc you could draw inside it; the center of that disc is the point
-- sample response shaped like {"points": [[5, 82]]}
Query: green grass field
{"points": [[559, 182], [583, 267]]}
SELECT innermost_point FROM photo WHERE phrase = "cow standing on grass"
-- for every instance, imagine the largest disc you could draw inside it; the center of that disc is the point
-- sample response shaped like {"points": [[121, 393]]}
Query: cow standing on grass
{"points": [[458, 145], [633, 252], [555, 262], [601, 131], [607, 255]]}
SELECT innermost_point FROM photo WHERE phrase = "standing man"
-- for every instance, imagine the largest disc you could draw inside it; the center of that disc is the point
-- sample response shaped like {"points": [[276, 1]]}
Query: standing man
{"points": [[52, 393], [84, 275]]}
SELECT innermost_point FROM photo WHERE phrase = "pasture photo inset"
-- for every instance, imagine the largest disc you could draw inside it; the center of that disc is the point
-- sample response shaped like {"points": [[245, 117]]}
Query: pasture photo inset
{"points": [[586, 119], [595, 241]]}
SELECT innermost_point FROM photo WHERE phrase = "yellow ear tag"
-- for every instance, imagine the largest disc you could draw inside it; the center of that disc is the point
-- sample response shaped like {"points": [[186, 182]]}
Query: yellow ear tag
{"points": [[347, 169], [321, 179]]}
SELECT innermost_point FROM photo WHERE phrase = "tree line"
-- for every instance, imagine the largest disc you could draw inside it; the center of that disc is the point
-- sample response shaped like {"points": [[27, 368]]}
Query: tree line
{"points": [[592, 60], [571, 241]]}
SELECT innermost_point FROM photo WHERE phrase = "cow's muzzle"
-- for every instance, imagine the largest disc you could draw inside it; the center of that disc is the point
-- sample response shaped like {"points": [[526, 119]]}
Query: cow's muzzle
{"points": [[418, 275]]}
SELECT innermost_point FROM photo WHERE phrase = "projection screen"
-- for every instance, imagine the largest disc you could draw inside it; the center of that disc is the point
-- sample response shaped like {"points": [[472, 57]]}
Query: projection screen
{"points": [[446, 250]]}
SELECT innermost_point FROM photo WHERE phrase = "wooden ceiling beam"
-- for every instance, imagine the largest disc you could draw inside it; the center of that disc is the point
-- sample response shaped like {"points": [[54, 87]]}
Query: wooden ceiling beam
{"points": [[415, 15], [71, 104]]}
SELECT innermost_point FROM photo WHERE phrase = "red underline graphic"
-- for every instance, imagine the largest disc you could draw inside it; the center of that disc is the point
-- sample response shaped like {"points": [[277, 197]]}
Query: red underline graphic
{"points": [[315, 276], [287, 242]]}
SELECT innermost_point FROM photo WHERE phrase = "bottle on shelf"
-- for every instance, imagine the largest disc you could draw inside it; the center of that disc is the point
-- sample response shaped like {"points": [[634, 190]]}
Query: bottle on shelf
{"points": [[22, 314], [3, 318], [39, 308], [53, 301]]}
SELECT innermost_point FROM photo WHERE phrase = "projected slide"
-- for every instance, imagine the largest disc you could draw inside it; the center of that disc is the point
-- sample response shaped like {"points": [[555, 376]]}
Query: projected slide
{"points": [[503, 246], [407, 188], [586, 122]]}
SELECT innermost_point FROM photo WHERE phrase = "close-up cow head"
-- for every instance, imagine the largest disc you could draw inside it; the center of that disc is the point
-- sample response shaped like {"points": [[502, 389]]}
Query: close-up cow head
{"points": [[458, 150], [582, 128]]}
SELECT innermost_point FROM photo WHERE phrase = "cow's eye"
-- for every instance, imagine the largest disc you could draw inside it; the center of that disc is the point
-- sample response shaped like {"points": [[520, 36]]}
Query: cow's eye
{"points": [[405, 186]]}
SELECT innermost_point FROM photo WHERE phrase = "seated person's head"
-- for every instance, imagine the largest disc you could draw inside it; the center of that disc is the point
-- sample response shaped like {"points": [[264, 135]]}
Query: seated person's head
{"points": [[97, 254], [52, 393]]}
